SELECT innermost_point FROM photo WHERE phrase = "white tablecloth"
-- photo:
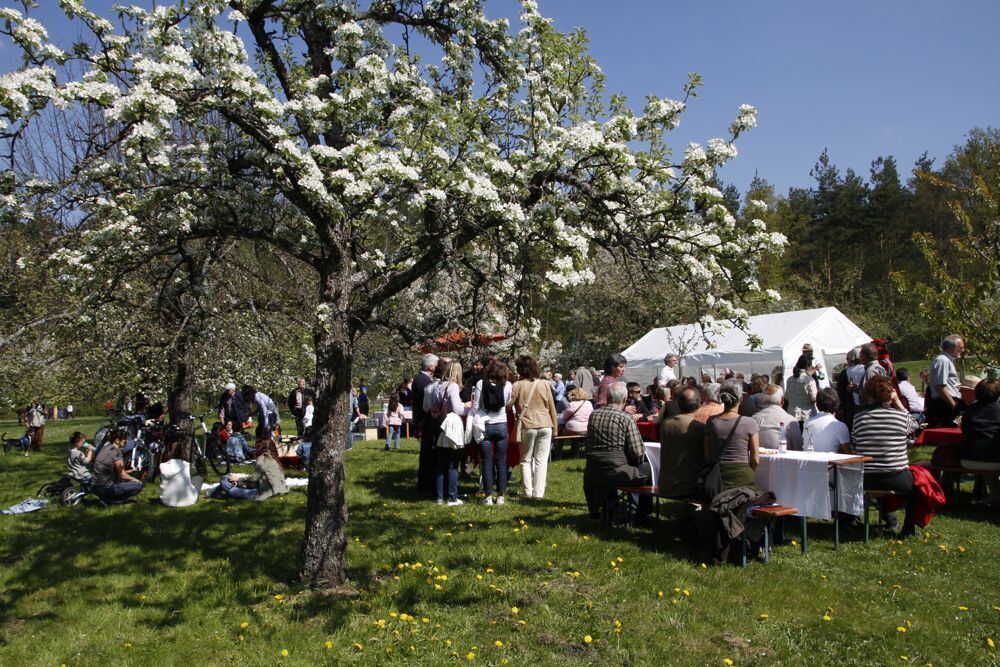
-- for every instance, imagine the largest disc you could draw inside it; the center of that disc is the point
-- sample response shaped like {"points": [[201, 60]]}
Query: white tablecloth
{"points": [[653, 456], [804, 480]]}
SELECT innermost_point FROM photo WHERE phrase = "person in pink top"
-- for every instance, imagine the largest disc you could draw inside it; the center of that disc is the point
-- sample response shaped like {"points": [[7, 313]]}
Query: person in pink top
{"points": [[393, 420], [577, 413], [614, 368]]}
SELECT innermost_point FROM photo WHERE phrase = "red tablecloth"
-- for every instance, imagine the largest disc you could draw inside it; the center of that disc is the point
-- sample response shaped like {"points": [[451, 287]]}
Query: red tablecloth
{"points": [[649, 430], [932, 437]]}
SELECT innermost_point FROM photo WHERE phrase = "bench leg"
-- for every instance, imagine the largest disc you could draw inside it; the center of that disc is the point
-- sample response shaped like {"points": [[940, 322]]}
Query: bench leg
{"points": [[767, 543], [864, 510], [805, 537], [836, 507]]}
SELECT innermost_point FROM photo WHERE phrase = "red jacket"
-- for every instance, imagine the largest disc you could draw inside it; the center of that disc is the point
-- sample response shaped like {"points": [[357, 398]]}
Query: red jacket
{"points": [[929, 496]]}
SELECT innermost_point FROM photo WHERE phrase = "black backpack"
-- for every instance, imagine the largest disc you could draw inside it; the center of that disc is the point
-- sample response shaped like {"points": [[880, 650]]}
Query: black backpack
{"points": [[493, 399]]}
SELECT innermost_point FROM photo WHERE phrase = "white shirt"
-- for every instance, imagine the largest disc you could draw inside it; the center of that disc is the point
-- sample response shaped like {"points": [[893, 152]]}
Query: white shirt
{"points": [[825, 432], [665, 374], [307, 416], [913, 399], [855, 374], [497, 417], [177, 487]]}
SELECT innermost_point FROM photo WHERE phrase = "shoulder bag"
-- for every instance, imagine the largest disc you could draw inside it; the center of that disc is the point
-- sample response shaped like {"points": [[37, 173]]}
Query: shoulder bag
{"points": [[709, 482]]}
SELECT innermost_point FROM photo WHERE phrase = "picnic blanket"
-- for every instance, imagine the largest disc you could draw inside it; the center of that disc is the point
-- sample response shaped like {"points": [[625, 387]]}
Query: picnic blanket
{"points": [[25, 506]]}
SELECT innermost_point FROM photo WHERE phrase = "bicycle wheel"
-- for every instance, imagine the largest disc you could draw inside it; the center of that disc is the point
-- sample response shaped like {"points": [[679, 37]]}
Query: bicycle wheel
{"points": [[154, 464], [216, 455], [141, 459]]}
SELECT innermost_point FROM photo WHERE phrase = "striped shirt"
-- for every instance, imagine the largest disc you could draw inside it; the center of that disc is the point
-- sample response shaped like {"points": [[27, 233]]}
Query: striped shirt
{"points": [[882, 433]]}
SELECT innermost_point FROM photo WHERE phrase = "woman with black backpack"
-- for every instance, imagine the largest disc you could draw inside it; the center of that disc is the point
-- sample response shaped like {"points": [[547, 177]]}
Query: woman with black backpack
{"points": [[490, 397]]}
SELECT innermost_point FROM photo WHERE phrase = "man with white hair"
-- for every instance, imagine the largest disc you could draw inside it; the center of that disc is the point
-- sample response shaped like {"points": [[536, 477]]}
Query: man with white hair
{"points": [[945, 395], [615, 453], [426, 463], [772, 416], [666, 373]]}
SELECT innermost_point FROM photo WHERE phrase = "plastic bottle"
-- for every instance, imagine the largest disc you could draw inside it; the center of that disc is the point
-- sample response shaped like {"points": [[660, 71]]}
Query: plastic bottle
{"points": [[782, 439]]}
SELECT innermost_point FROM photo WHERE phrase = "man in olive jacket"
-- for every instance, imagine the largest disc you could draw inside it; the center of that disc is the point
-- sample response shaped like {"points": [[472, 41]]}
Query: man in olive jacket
{"points": [[682, 448]]}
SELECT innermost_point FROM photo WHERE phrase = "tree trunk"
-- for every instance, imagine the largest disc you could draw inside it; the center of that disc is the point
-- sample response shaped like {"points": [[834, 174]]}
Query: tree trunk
{"points": [[180, 396], [325, 543]]}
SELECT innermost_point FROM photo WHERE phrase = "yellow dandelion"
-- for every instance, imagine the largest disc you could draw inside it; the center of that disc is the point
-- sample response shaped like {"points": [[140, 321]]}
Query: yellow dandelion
{"points": [[328, 645], [244, 625], [659, 594], [284, 653], [279, 597], [424, 619], [900, 629], [990, 642], [498, 643], [704, 567], [961, 608], [904, 658], [687, 593], [826, 617], [514, 610], [728, 662], [522, 622], [241, 637], [470, 656], [587, 639], [764, 617]]}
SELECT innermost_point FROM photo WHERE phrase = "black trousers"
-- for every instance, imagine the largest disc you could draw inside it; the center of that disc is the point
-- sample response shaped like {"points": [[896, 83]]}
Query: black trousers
{"points": [[900, 481], [427, 462]]}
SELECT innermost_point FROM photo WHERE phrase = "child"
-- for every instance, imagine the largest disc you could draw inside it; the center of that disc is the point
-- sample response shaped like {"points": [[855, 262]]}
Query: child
{"points": [[393, 420], [304, 450], [81, 453]]}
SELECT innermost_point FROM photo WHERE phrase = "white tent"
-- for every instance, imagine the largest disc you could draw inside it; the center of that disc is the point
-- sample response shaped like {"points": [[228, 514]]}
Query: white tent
{"points": [[829, 331]]}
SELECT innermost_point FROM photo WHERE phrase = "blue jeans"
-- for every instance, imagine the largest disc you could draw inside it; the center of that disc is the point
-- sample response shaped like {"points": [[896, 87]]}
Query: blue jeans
{"points": [[392, 431], [236, 492], [493, 454], [447, 465], [304, 452], [118, 491], [238, 449]]}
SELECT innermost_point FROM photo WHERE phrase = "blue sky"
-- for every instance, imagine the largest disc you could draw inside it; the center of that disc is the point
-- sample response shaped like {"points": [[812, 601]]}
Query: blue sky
{"points": [[862, 78]]}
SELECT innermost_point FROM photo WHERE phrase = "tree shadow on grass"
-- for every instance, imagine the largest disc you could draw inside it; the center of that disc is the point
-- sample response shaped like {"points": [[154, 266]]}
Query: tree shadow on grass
{"points": [[116, 555]]}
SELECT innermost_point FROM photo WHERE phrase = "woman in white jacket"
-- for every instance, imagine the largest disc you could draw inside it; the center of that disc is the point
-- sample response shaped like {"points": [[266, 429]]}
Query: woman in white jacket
{"points": [[178, 487], [451, 441]]}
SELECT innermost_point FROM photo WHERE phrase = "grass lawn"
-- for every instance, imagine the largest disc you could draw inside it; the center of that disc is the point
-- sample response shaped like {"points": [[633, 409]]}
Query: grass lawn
{"points": [[520, 584]]}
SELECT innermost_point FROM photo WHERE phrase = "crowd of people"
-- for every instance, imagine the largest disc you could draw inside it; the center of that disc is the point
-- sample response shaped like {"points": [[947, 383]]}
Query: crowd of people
{"points": [[866, 408]]}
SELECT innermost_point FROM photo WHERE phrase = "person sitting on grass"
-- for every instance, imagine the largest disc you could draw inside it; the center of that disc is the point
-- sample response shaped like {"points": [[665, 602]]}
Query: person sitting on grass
{"points": [[267, 478], [304, 448], [81, 453], [882, 430], [178, 487], [112, 482]]}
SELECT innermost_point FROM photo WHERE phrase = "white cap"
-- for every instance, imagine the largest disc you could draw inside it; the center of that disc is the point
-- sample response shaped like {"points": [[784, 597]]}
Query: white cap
{"points": [[230, 386]]}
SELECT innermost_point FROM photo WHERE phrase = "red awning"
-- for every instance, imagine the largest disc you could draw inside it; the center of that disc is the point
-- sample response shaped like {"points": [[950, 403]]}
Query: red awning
{"points": [[459, 340]]}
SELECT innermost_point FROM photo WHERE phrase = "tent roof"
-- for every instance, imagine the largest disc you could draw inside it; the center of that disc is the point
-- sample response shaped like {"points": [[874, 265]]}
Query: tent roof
{"points": [[782, 334]]}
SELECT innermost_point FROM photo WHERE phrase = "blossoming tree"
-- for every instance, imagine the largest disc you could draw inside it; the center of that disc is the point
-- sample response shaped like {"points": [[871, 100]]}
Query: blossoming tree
{"points": [[407, 142]]}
